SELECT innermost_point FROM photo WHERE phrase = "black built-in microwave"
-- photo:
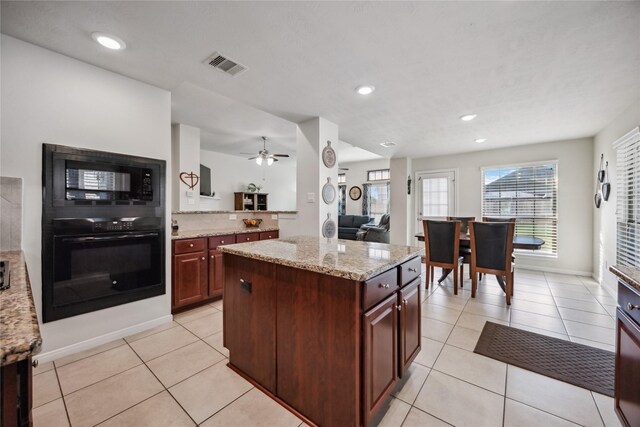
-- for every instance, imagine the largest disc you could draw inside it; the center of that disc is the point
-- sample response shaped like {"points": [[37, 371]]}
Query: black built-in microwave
{"points": [[87, 177]]}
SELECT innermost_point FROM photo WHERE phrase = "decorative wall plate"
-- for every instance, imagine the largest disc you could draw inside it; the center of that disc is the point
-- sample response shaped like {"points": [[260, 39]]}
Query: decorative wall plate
{"points": [[328, 156], [606, 186], [355, 193], [329, 227], [328, 192]]}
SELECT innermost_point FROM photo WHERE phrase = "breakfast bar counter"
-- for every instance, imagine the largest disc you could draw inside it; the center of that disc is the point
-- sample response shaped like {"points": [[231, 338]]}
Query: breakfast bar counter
{"points": [[326, 327]]}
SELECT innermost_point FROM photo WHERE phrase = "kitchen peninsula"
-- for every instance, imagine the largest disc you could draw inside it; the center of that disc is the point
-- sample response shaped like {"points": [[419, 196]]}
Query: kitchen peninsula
{"points": [[326, 327]]}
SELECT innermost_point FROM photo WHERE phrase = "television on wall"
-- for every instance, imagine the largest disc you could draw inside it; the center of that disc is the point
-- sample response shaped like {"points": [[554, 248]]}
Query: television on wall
{"points": [[205, 181]]}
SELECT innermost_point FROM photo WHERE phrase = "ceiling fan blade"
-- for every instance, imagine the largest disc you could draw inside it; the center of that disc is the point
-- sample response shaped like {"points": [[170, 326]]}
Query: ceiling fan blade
{"points": [[253, 158], [248, 154], [280, 155], [343, 169]]}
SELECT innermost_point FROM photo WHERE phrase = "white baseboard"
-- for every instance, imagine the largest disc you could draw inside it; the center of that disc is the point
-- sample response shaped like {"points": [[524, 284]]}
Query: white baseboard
{"points": [[554, 270], [102, 339]]}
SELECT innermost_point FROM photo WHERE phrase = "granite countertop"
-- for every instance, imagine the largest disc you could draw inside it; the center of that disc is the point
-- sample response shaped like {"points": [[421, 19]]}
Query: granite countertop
{"points": [[192, 234], [342, 258], [19, 330], [631, 275], [233, 212]]}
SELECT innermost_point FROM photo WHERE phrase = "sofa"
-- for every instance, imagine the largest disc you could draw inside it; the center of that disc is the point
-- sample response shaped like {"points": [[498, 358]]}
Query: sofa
{"points": [[348, 225]]}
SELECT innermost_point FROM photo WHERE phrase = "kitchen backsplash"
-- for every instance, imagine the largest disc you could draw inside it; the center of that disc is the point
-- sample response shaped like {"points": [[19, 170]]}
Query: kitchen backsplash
{"points": [[10, 213], [220, 221]]}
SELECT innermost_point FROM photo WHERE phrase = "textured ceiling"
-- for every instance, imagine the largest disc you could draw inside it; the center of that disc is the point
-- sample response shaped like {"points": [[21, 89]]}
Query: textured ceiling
{"points": [[532, 71]]}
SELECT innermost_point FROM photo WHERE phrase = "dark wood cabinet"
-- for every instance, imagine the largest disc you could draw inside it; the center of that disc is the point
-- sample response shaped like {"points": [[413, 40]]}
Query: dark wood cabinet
{"points": [[190, 281], [410, 328], [627, 376], [250, 201], [16, 394], [380, 358], [215, 273], [198, 268]]}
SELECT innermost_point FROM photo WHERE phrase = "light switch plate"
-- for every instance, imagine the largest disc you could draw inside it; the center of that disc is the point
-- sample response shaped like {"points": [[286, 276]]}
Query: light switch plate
{"points": [[311, 197], [275, 216], [233, 216]]}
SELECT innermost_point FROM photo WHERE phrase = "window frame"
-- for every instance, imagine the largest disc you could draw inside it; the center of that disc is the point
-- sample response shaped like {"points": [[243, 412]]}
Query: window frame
{"points": [[534, 253], [382, 171], [342, 181], [627, 203]]}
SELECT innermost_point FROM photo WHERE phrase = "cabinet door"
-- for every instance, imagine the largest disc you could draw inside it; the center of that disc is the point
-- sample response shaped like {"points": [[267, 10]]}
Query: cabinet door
{"points": [[189, 278], [410, 324], [215, 273], [627, 377], [380, 336]]}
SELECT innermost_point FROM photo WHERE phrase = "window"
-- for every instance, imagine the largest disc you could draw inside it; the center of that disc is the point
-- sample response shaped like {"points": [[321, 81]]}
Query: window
{"points": [[528, 193], [628, 199], [342, 178], [342, 199], [378, 175], [436, 194], [376, 199]]}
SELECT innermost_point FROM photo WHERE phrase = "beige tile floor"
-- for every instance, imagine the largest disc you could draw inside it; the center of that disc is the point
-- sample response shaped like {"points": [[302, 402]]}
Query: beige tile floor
{"points": [[176, 374]]}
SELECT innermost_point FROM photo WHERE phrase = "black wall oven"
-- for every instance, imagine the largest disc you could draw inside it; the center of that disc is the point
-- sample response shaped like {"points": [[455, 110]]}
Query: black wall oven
{"points": [[103, 230]]}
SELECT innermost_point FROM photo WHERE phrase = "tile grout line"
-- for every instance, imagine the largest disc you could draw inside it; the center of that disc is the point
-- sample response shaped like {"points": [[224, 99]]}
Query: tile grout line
{"points": [[64, 401], [595, 402]]}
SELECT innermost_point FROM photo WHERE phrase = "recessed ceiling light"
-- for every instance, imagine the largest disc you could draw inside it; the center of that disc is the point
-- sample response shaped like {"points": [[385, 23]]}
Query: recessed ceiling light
{"points": [[481, 140], [468, 117], [109, 41], [388, 144], [365, 89]]}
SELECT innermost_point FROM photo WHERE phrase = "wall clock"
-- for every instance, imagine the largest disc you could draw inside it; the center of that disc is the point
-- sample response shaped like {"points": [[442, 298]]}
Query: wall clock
{"points": [[355, 193]]}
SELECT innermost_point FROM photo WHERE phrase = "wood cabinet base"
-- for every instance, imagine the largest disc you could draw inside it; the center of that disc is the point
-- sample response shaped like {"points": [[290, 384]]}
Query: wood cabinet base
{"points": [[16, 391]]}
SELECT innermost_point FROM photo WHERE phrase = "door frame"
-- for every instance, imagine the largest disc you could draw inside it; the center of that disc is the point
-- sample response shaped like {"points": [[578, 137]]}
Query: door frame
{"points": [[415, 214]]}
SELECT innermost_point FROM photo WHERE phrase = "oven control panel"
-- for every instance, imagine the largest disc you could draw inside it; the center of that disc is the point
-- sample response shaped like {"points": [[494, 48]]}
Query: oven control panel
{"points": [[114, 226]]}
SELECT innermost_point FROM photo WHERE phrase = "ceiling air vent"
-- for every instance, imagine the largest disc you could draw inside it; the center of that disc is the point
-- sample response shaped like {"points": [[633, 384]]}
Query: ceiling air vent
{"points": [[388, 144], [224, 64]]}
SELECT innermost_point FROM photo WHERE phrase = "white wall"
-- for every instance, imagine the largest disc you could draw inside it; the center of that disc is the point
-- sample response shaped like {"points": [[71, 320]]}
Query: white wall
{"points": [[575, 195], [185, 155], [604, 219], [48, 97], [356, 176], [233, 173]]}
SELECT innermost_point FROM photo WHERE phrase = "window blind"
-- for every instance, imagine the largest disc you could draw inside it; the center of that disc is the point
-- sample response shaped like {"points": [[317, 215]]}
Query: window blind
{"points": [[628, 199], [528, 193]]}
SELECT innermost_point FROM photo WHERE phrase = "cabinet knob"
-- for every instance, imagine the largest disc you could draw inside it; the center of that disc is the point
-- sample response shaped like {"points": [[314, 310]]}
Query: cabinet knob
{"points": [[212, 257], [405, 302], [247, 239], [190, 245], [221, 241], [34, 363], [384, 286], [632, 307], [203, 258], [413, 270], [399, 307]]}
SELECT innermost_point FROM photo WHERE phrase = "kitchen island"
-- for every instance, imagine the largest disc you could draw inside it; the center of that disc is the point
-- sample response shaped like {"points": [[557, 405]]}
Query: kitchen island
{"points": [[326, 327]]}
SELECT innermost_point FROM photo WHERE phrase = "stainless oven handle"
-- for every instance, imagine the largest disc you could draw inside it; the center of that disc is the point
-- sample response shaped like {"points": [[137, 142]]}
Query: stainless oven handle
{"points": [[107, 239]]}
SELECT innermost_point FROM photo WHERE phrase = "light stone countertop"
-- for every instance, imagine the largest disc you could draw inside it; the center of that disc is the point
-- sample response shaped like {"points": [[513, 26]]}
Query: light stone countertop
{"points": [[19, 330], [631, 275], [193, 234], [341, 258]]}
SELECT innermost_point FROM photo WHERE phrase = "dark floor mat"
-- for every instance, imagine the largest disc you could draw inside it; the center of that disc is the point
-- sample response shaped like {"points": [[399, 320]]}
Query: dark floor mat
{"points": [[584, 366]]}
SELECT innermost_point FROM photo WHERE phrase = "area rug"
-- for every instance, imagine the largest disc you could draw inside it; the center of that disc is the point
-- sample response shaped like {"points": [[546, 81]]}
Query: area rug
{"points": [[581, 365]]}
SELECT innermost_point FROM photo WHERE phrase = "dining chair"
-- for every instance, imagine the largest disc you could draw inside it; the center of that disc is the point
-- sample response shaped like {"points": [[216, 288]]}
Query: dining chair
{"points": [[491, 253], [442, 249], [465, 251]]}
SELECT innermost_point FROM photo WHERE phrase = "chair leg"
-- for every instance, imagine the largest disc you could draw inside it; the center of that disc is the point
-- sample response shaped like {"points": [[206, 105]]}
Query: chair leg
{"points": [[474, 283], [461, 275], [455, 279], [513, 281], [426, 282], [432, 273], [470, 272], [509, 290]]}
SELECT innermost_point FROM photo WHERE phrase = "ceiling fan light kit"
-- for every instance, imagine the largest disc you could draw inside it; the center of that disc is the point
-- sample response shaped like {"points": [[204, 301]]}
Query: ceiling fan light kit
{"points": [[264, 156]]}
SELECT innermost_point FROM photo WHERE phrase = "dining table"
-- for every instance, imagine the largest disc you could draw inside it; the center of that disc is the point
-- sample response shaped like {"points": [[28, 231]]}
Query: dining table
{"points": [[519, 242]]}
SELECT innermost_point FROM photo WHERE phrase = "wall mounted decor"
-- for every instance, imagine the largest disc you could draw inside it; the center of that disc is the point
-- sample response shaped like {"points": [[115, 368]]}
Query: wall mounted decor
{"points": [[329, 156], [355, 193], [191, 177], [328, 192], [329, 227], [601, 172], [409, 184], [606, 185]]}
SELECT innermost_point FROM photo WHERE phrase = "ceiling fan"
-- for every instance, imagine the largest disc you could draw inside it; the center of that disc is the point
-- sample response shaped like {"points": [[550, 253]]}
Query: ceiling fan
{"points": [[265, 156]]}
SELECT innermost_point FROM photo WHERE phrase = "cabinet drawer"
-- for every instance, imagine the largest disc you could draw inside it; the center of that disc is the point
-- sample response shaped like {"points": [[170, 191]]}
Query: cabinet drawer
{"points": [[266, 235], [629, 301], [189, 245], [410, 270], [247, 237], [216, 241], [379, 287]]}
